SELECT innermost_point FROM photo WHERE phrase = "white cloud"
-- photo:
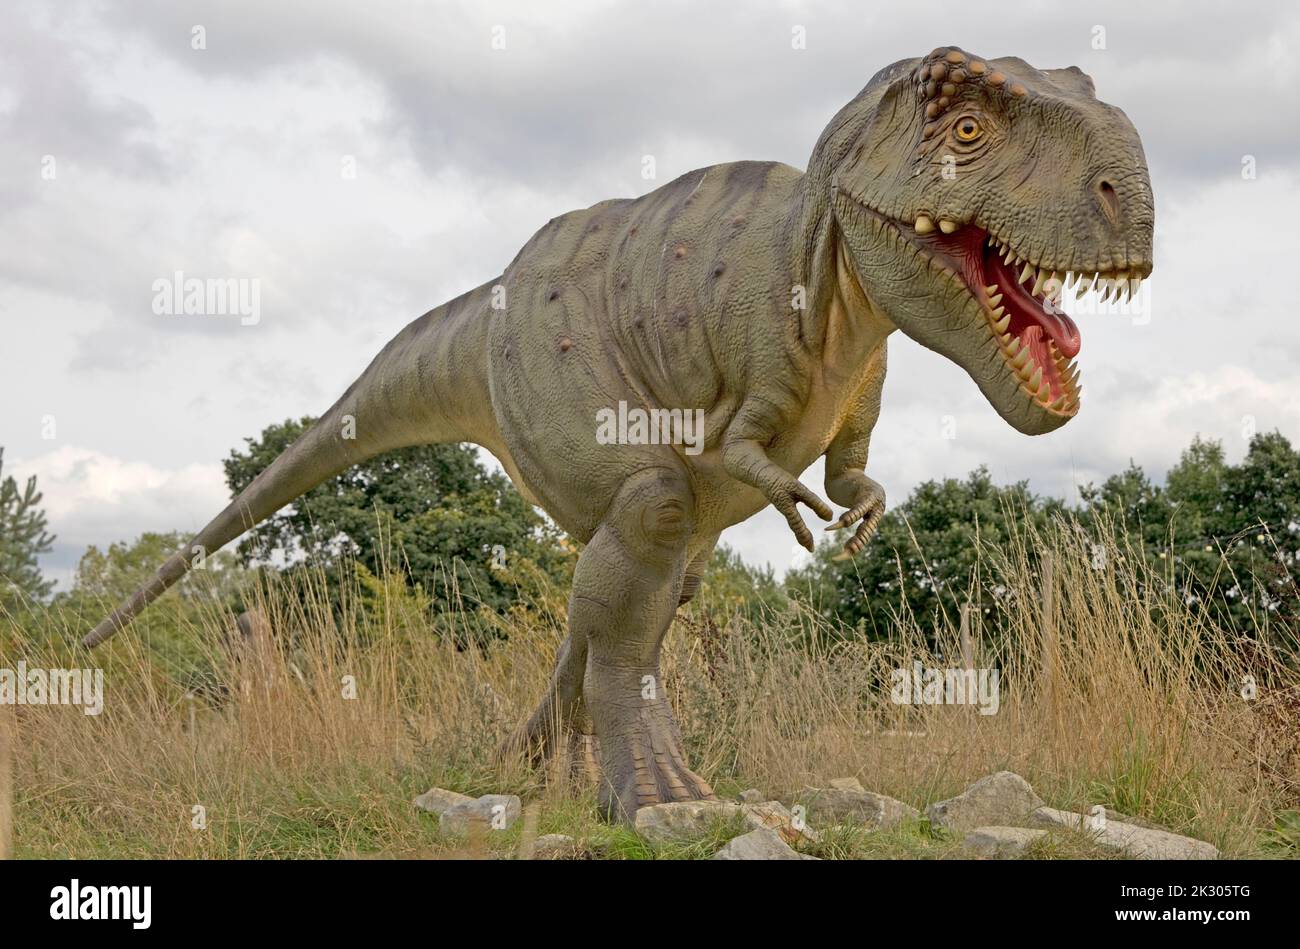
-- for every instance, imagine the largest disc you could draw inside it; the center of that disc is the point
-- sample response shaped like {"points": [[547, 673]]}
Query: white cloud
{"points": [[94, 498], [225, 162]]}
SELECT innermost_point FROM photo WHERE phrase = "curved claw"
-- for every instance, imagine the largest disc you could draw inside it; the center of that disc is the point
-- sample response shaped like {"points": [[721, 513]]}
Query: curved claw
{"points": [[787, 499], [868, 512]]}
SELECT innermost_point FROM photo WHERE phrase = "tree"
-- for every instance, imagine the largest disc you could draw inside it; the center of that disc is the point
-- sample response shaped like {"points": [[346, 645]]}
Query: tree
{"points": [[924, 555], [460, 530], [23, 539], [1225, 535], [729, 585]]}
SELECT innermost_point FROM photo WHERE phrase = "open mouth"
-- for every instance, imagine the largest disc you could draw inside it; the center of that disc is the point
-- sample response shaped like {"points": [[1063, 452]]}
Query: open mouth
{"points": [[1021, 304]]}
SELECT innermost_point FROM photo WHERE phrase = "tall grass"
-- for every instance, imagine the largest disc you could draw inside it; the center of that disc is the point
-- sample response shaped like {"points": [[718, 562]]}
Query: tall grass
{"points": [[1114, 690]]}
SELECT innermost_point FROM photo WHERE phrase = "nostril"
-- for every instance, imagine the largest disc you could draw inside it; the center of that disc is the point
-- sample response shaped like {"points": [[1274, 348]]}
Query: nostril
{"points": [[1109, 200]]}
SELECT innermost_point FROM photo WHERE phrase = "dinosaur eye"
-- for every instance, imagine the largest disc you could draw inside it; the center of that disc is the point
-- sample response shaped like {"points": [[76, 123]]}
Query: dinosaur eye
{"points": [[967, 129]]}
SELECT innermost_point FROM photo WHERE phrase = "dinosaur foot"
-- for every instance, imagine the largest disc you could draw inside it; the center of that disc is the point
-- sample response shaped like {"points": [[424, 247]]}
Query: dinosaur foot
{"points": [[647, 767]]}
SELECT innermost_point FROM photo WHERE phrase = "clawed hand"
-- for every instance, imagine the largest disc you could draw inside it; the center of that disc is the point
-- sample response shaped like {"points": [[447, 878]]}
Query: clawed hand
{"points": [[786, 496], [866, 512]]}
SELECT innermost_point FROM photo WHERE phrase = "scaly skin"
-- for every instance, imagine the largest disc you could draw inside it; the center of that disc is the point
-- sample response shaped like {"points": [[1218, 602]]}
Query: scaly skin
{"points": [[762, 297]]}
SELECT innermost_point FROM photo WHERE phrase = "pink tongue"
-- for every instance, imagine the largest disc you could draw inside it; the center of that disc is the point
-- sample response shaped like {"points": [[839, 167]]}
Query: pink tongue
{"points": [[1061, 329]]}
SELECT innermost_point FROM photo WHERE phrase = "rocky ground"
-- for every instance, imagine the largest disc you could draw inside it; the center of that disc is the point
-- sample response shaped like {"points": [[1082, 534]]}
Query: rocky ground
{"points": [[999, 816]]}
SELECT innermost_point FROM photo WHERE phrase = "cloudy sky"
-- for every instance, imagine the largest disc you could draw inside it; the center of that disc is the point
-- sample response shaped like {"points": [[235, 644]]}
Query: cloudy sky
{"points": [[129, 154]]}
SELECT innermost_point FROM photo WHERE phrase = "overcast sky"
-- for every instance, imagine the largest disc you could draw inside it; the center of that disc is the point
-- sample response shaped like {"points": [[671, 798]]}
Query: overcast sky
{"points": [[129, 154]]}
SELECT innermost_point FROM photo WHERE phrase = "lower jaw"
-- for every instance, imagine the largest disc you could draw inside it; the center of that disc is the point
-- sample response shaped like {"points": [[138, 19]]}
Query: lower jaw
{"points": [[1036, 341], [1027, 356]]}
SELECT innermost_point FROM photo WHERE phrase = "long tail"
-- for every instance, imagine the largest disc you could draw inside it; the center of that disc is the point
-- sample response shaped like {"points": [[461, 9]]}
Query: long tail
{"points": [[391, 405]]}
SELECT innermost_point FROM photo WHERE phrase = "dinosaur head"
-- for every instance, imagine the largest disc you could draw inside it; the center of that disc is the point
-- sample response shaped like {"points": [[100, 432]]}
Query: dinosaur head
{"points": [[969, 194]]}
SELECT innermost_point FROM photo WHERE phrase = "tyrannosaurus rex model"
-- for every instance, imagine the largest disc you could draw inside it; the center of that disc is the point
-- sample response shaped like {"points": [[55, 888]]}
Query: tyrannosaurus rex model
{"points": [[950, 199]]}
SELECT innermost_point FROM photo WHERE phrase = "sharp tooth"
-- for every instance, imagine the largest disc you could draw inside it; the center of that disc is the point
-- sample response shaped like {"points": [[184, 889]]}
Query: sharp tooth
{"points": [[1020, 359], [995, 300], [1036, 379], [991, 289], [1003, 323], [1045, 392], [947, 226], [1040, 280], [923, 224], [1006, 255], [1026, 273], [1006, 337], [1058, 404]]}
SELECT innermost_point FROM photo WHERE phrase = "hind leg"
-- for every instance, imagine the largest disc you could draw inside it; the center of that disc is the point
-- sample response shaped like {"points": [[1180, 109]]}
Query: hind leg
{"points": [[625, 591], [560, 717]]}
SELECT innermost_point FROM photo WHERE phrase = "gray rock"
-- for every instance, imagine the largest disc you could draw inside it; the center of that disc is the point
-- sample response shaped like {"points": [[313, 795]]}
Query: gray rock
{"points": [[1144, 843], [827, 806], [1112, 814], [555, 847], [751, 796], [847, 784], [660, 823], [776, 816], [493, 811], [760, 844], [998, 800], [437, 800], [1000, 841]]}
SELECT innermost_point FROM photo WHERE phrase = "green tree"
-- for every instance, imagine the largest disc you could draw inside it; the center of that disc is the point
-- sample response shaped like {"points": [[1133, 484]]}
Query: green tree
{"points": [[1226, 535], [730, 585], [23, 539], [923, 558], [460, 530]]}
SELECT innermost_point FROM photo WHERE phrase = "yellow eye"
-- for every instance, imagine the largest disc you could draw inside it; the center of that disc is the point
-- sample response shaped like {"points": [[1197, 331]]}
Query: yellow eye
{"points": [[967, 129]]}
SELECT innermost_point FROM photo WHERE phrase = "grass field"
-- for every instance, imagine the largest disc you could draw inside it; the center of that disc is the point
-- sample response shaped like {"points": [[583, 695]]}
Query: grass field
{"points": [[1113, 691]]}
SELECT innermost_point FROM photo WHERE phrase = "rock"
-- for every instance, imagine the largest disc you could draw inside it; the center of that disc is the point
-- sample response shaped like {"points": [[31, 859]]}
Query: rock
{"points": [[751, 796], [555, 847], [774, 815], [493, 811], [1000, 841], [437, 800], [998, 800], [1144, 843], [1112, 814], [847, 784], [660, 823], [833, 805], [760, 844]]}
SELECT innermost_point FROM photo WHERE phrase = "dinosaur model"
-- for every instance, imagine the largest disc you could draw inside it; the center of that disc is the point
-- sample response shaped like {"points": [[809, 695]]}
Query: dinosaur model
{"points": [[952, 199]]}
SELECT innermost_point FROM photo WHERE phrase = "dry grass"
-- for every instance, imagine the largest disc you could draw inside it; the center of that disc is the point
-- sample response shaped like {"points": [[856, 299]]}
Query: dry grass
{"points": [[1115, 692]]}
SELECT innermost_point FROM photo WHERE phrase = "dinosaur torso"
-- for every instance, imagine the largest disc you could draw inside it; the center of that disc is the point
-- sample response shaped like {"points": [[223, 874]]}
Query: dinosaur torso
{"points": [[687, 298]]}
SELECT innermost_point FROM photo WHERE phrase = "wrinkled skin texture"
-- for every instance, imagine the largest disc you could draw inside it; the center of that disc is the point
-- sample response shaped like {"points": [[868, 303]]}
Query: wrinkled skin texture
{"points": [[762, 297]]}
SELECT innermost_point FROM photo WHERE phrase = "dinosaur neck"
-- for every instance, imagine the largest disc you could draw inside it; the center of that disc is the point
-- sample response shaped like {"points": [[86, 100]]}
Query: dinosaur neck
{"points": [[839, 326]]}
